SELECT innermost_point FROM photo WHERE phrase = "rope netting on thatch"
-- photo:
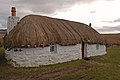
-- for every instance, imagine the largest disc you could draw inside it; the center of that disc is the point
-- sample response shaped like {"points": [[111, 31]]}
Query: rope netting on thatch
{"points": [[36, 30]]}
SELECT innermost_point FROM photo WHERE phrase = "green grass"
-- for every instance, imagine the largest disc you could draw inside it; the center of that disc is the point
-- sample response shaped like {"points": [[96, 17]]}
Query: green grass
{"points": [[105, 67]]}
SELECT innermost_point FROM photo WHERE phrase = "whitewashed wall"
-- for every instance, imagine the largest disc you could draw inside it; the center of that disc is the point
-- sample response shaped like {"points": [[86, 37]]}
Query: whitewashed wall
{"points": [[93, 51], [33, 57], [12, 21]]}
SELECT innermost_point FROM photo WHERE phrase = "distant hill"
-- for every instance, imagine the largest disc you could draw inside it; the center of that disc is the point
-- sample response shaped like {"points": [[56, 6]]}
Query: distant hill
{"points": [[112, 39], [3, 30]]}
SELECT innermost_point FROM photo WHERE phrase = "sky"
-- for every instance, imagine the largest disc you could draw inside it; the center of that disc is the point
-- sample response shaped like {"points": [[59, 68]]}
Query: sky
{"points": [[103, 14]]}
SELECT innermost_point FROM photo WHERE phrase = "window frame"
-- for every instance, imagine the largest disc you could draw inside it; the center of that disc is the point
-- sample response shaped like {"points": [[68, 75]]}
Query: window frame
{"points": [[53, 48]]}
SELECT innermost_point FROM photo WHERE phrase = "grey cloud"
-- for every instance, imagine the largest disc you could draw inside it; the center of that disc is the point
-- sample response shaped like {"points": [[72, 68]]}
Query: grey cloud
{"points": [[114, 21], [36, 6], [117, 20], [49, 6], [1, 26], [109, 28], [92, 11], [108, 0], [108, 21]]}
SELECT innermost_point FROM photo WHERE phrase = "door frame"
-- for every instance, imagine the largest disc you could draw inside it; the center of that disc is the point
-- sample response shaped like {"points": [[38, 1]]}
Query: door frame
{"points": [[84, 50]]}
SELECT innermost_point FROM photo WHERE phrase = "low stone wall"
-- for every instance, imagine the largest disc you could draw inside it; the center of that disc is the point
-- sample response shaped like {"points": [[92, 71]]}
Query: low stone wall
{"points": [[34, 57]]}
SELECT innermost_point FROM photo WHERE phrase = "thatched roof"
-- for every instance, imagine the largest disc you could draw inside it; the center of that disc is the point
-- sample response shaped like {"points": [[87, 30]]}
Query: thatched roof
{"points": [[36, 30], [112, 39]]}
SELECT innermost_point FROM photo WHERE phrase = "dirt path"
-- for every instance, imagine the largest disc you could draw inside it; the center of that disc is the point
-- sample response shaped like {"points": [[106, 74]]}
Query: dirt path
{"points": [[55, 74]]}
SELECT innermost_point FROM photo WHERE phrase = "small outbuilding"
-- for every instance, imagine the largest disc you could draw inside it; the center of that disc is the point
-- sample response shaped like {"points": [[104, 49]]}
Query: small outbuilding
{"points": [[40, 40]]}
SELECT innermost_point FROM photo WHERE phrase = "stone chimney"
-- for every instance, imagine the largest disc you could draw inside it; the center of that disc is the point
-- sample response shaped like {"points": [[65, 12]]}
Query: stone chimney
{"points": [[12, 20]]}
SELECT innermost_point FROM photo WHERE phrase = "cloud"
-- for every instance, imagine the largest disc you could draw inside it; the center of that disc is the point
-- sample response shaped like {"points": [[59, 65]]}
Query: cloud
{"points": [[92, 11], [117, 20], [109, 29], [114, 21], [108, 21], [0, 25], [108, 0], [25, 7], [48, 6]]}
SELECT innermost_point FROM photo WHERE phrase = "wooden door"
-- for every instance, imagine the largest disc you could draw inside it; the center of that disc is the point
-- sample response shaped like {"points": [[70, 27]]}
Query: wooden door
{"points": [[82, 49]]}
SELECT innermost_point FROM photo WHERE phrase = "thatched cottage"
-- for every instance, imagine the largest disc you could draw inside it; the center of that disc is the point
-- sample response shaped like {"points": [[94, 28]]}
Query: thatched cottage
{"points": [[40, 40]]}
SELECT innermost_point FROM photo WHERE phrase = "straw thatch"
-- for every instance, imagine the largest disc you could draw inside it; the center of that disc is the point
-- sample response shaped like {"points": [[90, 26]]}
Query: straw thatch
{"points": [[112, 39], [36, 30]]}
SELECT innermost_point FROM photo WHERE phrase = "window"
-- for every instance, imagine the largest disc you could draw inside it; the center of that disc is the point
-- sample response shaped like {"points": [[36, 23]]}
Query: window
{"points": [[97, 46], [53, 48]]}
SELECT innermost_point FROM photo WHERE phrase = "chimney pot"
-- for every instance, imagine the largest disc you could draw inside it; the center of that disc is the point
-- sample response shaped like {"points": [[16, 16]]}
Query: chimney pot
{"points": [[13, 11], [90, 24]]}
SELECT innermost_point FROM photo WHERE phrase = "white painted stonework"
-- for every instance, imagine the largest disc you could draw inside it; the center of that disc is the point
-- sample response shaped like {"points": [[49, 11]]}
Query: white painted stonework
{"points": [[34, 57], [12, 21], [93, 51]]}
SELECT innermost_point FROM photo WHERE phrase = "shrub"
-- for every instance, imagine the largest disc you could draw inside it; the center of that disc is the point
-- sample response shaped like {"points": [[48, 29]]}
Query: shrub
{"points": [[2, 54]]}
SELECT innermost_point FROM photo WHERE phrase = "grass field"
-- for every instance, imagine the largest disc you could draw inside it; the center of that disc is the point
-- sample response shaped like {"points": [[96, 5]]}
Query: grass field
{"points": [[105, 67]]}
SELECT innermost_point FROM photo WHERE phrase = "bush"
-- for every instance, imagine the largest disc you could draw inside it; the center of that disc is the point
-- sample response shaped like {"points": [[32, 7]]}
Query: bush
{"points": [[2, 51], [2, 54]]}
